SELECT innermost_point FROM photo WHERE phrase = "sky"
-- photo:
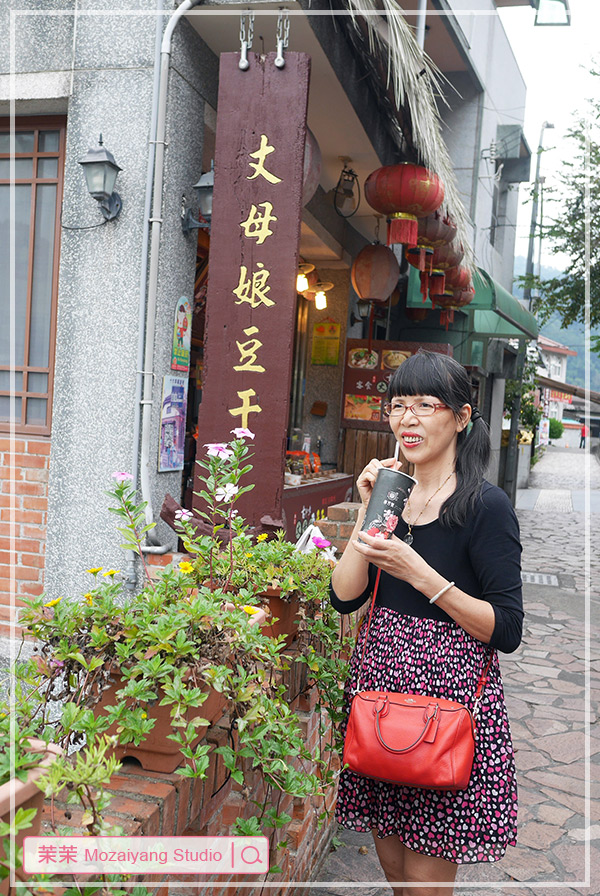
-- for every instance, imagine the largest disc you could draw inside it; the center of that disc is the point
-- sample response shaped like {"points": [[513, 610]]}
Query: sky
{"points": [[555, 63]]}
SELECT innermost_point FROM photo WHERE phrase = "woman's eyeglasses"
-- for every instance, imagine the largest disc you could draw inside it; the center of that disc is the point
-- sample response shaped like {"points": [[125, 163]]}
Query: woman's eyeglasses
{"points": [[419, 409]]}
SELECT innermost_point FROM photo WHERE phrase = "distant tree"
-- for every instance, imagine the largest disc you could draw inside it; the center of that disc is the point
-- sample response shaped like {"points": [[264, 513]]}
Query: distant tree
{"points": [[565, 294]]}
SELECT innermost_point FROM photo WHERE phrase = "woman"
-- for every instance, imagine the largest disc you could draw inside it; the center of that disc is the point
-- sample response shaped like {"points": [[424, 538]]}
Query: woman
{"points": [[455, 528]]}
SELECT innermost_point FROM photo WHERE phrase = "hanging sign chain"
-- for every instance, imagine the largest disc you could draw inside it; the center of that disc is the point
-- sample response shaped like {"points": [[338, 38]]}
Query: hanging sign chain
{"points": [[283, 36], [246, 40]]}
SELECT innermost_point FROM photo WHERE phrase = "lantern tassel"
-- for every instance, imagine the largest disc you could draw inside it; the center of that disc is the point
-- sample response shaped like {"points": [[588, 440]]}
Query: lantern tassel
{"points": [[402, 228], [424, 284]]}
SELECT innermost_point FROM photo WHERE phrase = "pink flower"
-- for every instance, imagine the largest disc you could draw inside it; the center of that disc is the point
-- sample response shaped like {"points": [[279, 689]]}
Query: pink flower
{"points": [[183, 514], [320, 542], [241, 433], [391, 522], [373, 531], [122, 477], [219, 449]]}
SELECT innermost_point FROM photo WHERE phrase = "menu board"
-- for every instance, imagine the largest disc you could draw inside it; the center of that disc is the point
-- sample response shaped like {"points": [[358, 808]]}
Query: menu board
{"points": [[367, 372]]}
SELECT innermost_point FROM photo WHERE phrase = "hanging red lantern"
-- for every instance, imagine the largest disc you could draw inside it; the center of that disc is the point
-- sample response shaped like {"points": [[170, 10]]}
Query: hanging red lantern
{"points": [[444, 258], [403, 193], [458, 278], [375, 273], [436, 229], [450, 301]]}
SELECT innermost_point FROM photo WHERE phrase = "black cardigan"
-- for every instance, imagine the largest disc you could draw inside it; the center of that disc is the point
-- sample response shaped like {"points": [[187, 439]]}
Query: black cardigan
{"points": [[483, 558]]}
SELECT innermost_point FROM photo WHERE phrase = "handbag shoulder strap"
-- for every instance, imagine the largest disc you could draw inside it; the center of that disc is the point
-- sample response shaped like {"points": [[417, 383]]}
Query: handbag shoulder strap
{"points": [[482, 678]]}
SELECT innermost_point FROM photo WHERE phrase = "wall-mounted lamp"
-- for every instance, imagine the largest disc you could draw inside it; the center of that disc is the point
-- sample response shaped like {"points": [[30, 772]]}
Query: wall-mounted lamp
{"points": [[346, 195], [205, 187], [101, 172], [364, 309], [552, 12], [304, 268]]}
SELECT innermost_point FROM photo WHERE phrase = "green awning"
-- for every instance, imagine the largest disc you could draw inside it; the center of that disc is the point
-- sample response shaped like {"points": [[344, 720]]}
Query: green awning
{"points": [[493, 312]]}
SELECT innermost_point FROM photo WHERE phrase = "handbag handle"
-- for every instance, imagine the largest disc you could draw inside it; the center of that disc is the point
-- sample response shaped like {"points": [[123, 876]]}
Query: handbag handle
{"points": [[482, 678], [431, 714]]}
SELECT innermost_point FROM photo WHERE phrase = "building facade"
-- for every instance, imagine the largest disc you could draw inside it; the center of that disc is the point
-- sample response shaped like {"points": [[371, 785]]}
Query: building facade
{"points": [[97, 300]]}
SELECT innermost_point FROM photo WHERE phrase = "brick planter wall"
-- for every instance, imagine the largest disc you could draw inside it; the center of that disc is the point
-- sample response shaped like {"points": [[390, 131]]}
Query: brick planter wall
{"points": [[24, 476], [152, 803]]}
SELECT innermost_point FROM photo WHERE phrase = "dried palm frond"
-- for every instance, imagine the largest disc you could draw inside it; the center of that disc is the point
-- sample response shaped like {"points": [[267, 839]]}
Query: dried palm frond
{"points": [[415, 81]]}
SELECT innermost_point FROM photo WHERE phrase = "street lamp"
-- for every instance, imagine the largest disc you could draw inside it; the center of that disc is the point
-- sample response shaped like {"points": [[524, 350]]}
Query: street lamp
{"points": [[101, 172]]}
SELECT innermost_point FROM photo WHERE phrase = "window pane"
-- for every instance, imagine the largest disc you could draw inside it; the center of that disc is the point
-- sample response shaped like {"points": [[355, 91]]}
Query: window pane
{"points": [[5, 380], [37, 382], [5, 409], [22, 220], [23, 168], [41, 290], [36, 411], [5, 142], [24, 141], [47, 168], [48, 141]]}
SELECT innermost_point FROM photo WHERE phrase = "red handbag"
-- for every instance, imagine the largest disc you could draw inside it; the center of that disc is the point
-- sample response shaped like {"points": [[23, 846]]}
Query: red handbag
{"points": [[411, 739]]}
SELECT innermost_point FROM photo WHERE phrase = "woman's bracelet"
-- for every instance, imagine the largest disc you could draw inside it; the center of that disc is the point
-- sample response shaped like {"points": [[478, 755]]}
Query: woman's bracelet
{"points": [[447, 587]]}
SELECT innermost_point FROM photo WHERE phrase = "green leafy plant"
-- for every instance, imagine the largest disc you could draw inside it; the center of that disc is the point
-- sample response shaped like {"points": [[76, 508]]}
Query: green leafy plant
{"points": [[556, 428], [189, 631]]}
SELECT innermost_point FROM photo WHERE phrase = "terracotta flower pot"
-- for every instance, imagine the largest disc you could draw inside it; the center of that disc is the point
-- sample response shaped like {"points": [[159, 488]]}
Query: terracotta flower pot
{"points": [[27, 795], [286, 612], [157, 752]]}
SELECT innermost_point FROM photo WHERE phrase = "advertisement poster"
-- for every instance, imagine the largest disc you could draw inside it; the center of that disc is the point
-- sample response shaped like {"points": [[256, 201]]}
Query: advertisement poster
{"points": [[368, 368], [544, 431], [326, 343], [182, 336], [172, 423]]}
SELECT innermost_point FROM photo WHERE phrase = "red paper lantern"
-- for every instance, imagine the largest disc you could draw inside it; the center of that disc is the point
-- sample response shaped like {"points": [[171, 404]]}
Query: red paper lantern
{"points": [[444, 258], [458, 278], [417, 313], [404, 193], [375, 273], [451, 301], [437, 229]]}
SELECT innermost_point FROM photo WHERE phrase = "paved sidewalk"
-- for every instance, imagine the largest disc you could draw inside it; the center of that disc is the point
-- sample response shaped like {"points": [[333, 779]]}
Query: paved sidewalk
{"points": [[545, 691]]}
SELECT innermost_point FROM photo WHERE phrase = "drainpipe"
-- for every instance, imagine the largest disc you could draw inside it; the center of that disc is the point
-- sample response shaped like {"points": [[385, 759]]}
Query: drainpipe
{"points": [[149, 275], [421, 18]]}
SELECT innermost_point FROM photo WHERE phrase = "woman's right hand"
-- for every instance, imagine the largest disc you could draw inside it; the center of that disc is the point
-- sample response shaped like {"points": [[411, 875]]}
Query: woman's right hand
{"points": [[366, 480]]}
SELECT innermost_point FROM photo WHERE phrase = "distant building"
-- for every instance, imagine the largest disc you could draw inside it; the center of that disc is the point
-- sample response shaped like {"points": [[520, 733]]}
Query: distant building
{"points": [[554, 358]]}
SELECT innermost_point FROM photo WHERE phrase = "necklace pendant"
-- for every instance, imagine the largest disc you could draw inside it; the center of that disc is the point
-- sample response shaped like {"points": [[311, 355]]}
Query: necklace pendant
{"points": [[408, 539]]}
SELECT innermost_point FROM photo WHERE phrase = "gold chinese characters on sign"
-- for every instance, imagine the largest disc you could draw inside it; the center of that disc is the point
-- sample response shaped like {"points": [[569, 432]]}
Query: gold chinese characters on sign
{"points": [[253, 286]]}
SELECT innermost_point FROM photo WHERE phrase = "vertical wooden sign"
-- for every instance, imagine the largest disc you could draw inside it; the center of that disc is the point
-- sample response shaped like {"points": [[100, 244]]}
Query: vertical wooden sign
{"points": [[255, 232]]}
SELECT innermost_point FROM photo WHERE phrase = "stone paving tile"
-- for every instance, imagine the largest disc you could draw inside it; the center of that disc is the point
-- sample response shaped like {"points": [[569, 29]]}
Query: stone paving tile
{"points": [[545, 692]]}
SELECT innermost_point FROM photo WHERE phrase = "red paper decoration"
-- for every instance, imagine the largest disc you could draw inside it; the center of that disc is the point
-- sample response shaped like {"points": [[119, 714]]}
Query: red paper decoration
{"points": [[404, 193], [375, 273]]}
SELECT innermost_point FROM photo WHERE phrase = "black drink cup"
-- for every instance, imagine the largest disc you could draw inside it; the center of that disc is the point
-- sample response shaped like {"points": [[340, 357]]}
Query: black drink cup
{"points": [[390, 494]]}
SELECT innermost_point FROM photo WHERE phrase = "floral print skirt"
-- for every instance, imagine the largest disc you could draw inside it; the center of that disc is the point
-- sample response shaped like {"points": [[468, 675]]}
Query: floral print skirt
{"points": [[426, 656]]}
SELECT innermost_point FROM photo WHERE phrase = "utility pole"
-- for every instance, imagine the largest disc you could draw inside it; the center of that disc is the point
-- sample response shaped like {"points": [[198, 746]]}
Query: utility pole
{"points": [[512, 456]]}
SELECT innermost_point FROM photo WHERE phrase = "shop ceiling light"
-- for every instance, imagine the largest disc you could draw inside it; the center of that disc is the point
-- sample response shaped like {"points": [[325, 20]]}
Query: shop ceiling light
{"points": [[320, 300], [302, 283], [101, 172]]}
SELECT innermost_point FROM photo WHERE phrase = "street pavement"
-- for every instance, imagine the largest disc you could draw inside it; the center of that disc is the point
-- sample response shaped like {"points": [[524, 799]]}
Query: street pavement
{"points": [[558, 850]]}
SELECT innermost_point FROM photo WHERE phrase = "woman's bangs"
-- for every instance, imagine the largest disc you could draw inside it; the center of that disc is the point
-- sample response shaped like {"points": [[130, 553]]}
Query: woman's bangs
{"points": [[418, 376]]}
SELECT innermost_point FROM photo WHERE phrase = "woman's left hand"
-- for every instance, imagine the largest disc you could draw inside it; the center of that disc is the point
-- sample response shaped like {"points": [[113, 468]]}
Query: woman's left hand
{"points": [[392, 556]]}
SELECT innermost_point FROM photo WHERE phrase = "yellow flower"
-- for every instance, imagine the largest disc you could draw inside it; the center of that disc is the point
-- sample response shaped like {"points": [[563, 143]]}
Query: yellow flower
{"points": [[186, 566], [53, 603], [95, 570], [111, 572], [248, 553], [89, 597], [262, 537], [144, 715], [251, 611]]}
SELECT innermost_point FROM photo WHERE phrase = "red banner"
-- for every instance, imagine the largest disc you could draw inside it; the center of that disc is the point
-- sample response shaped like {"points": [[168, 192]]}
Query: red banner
{"points": [[565, 397], [255, 232]]}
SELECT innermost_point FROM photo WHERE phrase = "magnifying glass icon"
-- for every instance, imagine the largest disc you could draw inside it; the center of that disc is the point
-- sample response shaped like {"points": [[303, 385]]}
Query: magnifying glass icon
{"points": [[254, 858]]}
